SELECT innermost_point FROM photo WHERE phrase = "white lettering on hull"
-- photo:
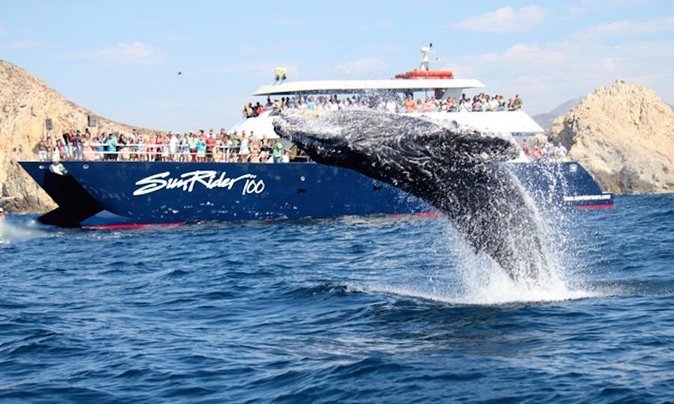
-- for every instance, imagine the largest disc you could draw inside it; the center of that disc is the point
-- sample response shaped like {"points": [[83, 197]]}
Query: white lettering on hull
{"points": [[209, 179]]}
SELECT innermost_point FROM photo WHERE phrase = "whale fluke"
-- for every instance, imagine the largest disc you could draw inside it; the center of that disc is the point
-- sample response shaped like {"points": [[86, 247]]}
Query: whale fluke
{"points": [[459, 171]]}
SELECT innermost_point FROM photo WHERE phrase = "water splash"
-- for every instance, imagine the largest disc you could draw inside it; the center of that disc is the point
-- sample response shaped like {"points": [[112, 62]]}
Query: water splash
{"points": [[12, 233], [482, 281], [469, 278]]}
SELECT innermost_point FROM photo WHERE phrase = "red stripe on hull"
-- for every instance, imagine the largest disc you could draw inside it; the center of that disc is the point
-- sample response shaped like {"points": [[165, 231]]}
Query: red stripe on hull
{"points": [[595, 206], [434, 213], [130, 226]]}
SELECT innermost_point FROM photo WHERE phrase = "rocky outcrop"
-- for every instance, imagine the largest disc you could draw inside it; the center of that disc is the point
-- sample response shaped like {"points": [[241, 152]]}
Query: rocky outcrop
{"points": [[623, 134], [25, 104], [546, 120]]}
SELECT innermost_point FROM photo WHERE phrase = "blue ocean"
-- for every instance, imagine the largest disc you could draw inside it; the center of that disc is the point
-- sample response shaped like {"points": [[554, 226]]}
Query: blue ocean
{"points": [[357, 309]]}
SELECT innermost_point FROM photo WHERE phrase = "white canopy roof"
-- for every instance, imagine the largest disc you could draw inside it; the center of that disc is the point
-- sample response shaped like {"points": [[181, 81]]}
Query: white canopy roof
{"points": [[261, 125], [354, 86], [491, 122]]}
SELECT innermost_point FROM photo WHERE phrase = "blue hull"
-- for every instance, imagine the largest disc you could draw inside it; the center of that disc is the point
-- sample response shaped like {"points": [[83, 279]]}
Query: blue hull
{"points": [[93, 194]]}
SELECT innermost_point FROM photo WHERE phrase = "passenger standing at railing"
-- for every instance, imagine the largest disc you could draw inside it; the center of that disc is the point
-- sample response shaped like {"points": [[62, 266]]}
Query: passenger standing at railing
{"points": [[173, 147], [233, 147], [248, 111], [100, 145], [501, 103], [122, 151], [149, 141], [76, 142], [111, 147], [192, 141], [476, 104], [452, 104], [265, 148], [184, 148], [210, 144], [254, 150], [140, 147], [277, 151], [463, 106], [410, 105], [427, 105], [56, 151], [153, 146], [259, 109], [201, 150], [64, 143], [311, 105], [218, 150], [244, 148], [517, 102], [88, 151], [132, 145], [164, 154], [42, 149]]}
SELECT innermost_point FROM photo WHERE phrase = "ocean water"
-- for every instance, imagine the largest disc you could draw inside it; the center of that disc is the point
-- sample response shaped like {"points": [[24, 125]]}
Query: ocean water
{"points": [[384, 309]]}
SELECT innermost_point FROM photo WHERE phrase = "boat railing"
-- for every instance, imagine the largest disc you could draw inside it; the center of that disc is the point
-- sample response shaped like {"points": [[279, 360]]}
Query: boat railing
{"points": [[155, 152]]}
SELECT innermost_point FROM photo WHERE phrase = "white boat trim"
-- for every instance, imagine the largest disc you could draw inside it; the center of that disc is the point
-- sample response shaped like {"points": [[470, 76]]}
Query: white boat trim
{"points": [[578, 198], [357, 86]]}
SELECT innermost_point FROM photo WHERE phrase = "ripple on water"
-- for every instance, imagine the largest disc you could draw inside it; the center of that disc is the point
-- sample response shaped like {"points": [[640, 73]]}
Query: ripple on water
{"points": [[353, 309]]}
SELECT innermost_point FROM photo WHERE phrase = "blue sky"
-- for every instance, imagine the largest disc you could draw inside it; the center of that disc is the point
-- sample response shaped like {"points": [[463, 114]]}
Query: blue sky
{"points": [[121, 58]]}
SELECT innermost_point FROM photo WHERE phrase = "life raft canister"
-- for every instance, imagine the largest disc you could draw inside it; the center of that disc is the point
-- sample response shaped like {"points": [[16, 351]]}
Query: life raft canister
{"points": [[426, 74]]}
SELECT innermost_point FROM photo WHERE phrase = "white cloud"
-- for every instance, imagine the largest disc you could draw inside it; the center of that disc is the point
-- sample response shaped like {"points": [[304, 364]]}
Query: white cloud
{"points": [[526, 54], [362, 67], [627, 28], [123, 53], [504, 19], [591, 6], [552, 73]]}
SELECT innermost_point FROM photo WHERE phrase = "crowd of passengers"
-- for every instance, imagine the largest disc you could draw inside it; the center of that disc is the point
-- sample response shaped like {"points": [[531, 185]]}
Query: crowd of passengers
{"points": [[540, 148], [247, 147], [202, 146], [159, 146], [480, 102]]}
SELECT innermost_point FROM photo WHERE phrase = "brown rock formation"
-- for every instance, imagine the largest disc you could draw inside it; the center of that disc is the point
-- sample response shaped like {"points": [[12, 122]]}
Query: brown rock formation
{"points": [[623, 134], [25, 104]]}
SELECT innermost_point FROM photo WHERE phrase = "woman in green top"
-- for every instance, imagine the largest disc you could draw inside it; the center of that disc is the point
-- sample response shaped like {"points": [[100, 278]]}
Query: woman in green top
{"points": [[277, 151]]}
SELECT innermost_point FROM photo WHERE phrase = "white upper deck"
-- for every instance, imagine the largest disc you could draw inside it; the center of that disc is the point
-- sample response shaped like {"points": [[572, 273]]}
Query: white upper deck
{"points": [[401, 83], [441, 83], [355, 86]]}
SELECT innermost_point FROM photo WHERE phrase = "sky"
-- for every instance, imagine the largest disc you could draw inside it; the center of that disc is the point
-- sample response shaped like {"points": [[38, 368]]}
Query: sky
{"points": [[121, 58]]}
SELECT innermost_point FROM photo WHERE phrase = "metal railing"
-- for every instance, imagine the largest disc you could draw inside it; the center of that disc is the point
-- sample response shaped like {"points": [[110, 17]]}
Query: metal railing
{"points": [[156, 152]]}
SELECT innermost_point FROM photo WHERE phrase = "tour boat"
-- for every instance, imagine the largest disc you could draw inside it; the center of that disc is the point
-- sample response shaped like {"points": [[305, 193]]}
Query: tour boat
{"points": [[115, 193]]}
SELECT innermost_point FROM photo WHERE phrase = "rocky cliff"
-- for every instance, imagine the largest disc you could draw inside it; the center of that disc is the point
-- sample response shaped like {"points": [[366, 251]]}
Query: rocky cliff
{"points": [[25, 104], [624, 134]]}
